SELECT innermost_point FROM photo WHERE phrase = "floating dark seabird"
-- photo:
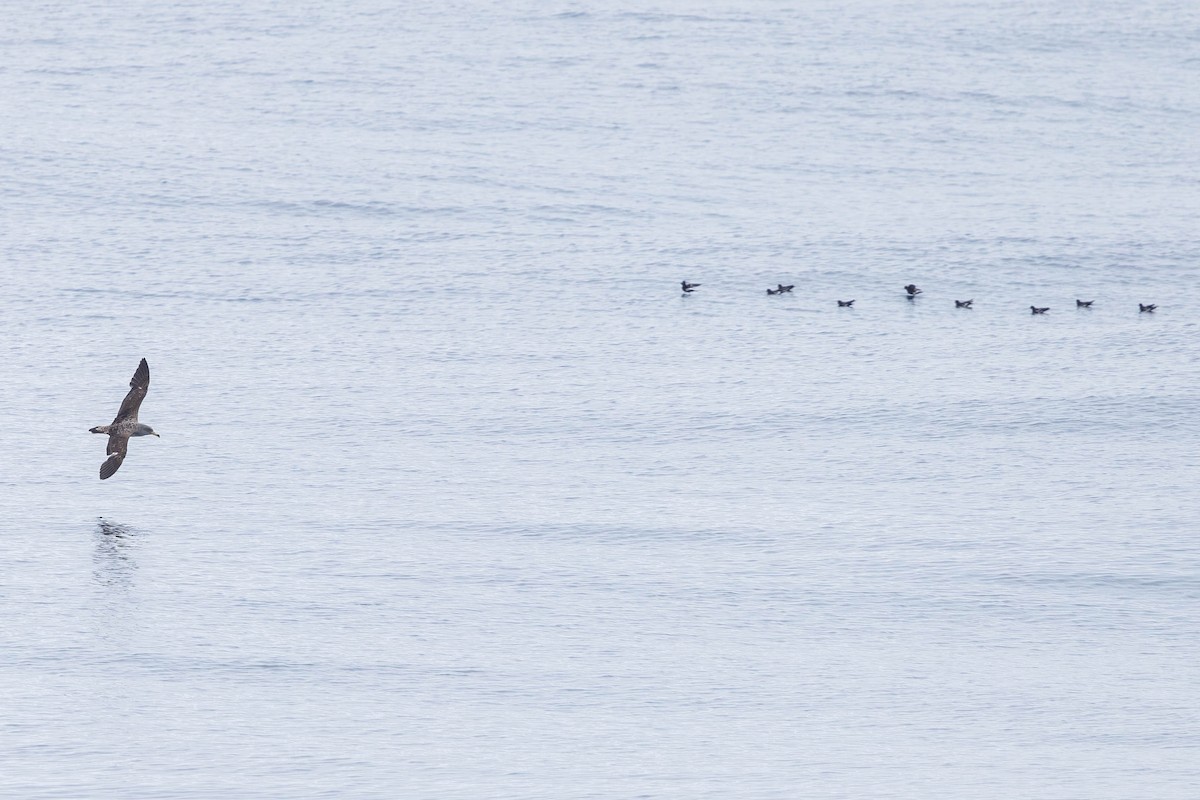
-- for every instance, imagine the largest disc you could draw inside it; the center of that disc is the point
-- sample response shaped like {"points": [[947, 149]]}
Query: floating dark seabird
{"points": [[912, 290], [1036, 310], [963, 303], [845, 303], [688, 288], [774, 291], [1148, 309], [787, 288], [1083, 303], [126, 422]]}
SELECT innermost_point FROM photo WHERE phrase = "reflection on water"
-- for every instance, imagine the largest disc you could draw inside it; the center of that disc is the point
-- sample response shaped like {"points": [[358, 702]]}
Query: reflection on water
{"points": [[113, 558]]}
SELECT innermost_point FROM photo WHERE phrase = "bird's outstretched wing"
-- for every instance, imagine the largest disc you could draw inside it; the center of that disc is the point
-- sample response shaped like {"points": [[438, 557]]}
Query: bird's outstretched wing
{"points": [[117, 447], [139, 385]]}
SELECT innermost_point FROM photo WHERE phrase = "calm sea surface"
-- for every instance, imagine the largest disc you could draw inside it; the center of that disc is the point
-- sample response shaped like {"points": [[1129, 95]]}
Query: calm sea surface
{"points": [[458, 497]]}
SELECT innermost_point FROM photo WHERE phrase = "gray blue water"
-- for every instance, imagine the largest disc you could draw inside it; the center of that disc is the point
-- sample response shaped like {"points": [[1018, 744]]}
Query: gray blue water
{"points": [[458, 497]]}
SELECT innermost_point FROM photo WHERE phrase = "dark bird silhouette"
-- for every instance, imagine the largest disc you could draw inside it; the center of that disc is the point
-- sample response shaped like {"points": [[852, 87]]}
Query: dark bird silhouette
{"points": [[688, 288], [774, 291], [787, 288], [1083, 303], [126, 424], [845, 303], [1147, 309], [912, 290], [963, 303], [1036, 310]]}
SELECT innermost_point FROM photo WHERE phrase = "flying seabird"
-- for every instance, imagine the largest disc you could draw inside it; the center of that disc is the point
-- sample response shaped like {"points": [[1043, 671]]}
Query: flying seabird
{"points": [[845, 303], [787, 288], [688, 288], [1036, 310], [1147, 309], [1083, 303], [963, 303], [126, 424], [912, 290]]}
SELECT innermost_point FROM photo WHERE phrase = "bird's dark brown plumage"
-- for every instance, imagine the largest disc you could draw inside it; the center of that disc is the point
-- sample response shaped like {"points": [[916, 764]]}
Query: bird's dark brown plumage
{"points": [[126, 424]]}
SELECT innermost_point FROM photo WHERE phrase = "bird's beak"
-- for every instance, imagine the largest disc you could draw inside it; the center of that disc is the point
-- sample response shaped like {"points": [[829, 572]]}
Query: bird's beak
{"points": [[158, 436]]}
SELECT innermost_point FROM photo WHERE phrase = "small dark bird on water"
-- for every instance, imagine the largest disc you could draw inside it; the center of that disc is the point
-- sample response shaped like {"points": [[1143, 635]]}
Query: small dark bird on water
{"points": [[912, 290], [963, 303], [774, 291], [1083, 303], [787, 288], [1036, 310], [688, 288], [126, 424], [1147, 309], [845, 303]]}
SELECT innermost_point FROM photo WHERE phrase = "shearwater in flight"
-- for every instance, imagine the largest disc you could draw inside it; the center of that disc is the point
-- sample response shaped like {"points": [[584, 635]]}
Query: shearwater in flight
{"points": [[126, 422]]}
